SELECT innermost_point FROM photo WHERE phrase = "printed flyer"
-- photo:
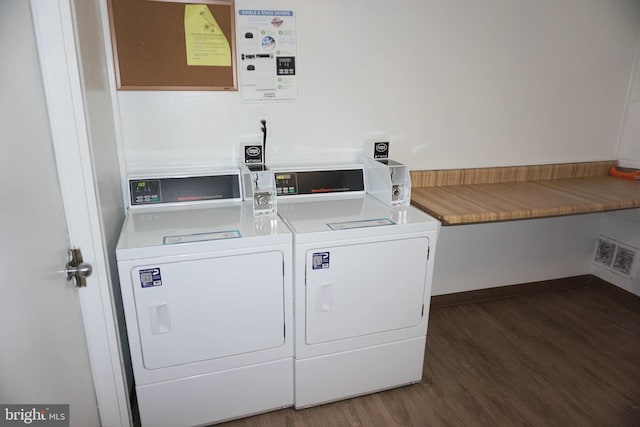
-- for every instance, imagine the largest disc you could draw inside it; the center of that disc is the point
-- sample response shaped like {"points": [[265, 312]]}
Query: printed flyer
{"points": [[205, 42], [267, 55]]}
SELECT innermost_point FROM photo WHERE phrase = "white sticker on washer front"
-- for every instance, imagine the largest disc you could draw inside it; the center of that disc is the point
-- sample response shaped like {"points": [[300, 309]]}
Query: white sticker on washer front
{"points": [[360, 224], [150, 277], [201, 237], [320, 260]]}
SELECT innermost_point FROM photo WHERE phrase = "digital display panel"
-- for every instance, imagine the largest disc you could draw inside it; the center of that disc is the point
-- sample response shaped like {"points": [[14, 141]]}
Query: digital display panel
{"points": [[319, 182], [180, 190]]}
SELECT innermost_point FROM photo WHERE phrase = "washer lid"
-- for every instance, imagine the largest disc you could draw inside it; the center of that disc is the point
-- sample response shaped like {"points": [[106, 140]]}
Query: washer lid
{"points": [[362, 212], [184, 230]]}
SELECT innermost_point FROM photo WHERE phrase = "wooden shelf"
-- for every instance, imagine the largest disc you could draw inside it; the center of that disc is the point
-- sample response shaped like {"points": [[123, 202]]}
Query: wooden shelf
{"points": [[504, 201]]}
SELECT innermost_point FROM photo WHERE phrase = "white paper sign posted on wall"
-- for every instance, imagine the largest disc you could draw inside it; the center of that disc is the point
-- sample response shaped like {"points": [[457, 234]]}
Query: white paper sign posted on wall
{"points": [[267, 55], [206, 44]]}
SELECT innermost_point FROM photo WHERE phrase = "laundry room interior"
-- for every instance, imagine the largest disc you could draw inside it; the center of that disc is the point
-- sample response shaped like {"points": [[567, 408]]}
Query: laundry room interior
{"points": [[509, 116], [450, 85]]}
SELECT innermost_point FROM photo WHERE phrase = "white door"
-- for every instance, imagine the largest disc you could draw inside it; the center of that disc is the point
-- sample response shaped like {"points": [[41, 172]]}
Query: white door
{"points": [[44, 356], [364, 289], [202, 306], [59, 344]]}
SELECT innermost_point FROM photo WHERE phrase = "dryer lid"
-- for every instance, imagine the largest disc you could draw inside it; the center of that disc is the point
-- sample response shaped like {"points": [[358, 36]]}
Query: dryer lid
{"points": [[183, 230], [361, 212]]}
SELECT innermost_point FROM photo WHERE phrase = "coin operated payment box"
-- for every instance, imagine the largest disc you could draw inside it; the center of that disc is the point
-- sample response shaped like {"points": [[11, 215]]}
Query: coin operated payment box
{"points": [[258, 182], [387, 180]]}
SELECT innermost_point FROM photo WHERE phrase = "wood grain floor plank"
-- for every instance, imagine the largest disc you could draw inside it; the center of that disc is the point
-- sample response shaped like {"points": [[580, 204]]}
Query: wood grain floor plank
{"points": [[558, 358]]}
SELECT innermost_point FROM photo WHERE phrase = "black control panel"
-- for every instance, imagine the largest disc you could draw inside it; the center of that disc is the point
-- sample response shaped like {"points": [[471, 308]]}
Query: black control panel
{"points": [[146, 191], [286, 65], [319, 182], [181, 190]]}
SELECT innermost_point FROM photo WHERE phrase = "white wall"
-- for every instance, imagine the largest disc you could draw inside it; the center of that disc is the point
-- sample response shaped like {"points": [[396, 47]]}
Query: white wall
{"points": [[453, 83], [629, 150], [100, 117], [623, 227], [470, 257], [102, 125]]}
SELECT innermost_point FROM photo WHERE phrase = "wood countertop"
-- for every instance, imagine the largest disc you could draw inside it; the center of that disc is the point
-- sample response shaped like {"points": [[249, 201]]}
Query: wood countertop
{"points": [[503, 201]]}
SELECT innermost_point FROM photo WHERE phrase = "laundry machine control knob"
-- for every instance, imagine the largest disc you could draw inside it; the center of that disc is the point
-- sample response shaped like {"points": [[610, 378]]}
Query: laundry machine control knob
{"points": [[262, 200], [395, 192]]}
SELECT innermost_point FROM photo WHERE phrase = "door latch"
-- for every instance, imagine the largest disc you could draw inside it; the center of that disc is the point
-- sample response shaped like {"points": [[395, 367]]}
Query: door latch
{"points": [[77, 269]]}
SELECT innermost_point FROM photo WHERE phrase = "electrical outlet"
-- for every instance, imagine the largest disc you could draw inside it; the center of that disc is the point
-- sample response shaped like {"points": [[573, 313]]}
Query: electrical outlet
{"points": [[623, 260], [605, 252], [615, 256]]}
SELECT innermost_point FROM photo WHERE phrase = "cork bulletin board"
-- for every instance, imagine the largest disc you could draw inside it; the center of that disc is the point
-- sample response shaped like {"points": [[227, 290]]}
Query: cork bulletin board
{"points": [[174, 45]]}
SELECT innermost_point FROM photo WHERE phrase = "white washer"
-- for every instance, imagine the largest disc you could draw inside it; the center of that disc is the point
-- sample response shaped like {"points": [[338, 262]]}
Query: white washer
{"points": [[362, 284], [207, 295]]}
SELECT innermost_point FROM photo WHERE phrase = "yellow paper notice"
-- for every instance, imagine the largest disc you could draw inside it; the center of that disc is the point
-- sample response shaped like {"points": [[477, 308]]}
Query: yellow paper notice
{"points": [[206, 43]]}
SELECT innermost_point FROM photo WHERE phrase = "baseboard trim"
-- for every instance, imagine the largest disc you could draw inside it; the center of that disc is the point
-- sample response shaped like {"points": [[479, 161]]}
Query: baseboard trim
{"points": [[509, 291], [615, 292]]}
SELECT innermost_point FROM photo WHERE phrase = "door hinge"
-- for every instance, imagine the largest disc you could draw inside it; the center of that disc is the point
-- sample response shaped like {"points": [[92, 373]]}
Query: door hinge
{"points": [[422, 314], [284, 329], [428, 252], [76, 269]]}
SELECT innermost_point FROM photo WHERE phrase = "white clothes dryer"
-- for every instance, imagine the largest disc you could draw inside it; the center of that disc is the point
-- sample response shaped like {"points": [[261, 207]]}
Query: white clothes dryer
{"points": [[207, 295], [362, 284]]}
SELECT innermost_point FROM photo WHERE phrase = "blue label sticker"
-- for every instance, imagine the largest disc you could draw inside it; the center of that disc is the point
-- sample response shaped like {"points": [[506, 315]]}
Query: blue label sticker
{"points": [[150, 277], [320, 260]]}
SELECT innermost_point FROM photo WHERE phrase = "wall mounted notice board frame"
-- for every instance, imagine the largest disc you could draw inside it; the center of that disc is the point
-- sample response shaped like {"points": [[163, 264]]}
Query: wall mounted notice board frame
{"points": [[149, 46]]}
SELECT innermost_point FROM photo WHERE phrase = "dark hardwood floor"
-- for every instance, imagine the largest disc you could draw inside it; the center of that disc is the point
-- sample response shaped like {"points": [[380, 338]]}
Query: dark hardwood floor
{"points": [[558, 358]]}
